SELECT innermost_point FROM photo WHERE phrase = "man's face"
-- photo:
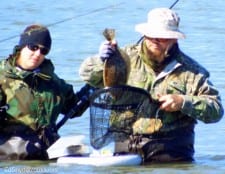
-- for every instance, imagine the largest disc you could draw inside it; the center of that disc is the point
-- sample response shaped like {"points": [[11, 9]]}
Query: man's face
{"points": [[158, 47]]}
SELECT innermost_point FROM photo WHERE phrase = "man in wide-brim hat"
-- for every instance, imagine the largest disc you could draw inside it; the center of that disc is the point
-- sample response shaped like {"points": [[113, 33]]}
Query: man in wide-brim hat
{"points": [[178, 83], [160, 32]]}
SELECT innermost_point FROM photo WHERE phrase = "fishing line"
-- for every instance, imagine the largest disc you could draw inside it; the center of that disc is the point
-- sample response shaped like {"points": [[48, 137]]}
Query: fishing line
{"points": [[71, 18], [85, 14]]}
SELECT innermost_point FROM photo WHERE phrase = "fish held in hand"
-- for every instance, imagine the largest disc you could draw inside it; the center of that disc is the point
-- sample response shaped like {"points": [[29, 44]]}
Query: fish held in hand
{"points": [[116, 67]]}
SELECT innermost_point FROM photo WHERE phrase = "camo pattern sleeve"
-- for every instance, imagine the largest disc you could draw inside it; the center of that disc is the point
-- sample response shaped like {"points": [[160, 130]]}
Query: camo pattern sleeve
{"points": [[206, 104], [91, 71], [183, 76]]}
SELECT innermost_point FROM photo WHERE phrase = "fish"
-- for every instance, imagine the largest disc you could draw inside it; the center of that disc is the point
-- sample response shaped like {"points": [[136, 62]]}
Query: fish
{"points": [[116, 68]]}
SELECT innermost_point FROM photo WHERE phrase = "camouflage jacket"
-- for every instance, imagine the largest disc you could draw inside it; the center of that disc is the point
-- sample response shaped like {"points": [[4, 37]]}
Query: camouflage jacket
{"points": [[35, 99], [182, 75]]}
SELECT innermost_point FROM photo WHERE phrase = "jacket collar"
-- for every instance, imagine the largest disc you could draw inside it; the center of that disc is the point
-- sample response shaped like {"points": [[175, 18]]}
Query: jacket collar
{"points": [[45, 71]]}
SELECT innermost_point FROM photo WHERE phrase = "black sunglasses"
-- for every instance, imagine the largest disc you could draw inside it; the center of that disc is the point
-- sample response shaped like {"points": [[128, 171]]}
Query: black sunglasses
{"points": [[34, 47]]}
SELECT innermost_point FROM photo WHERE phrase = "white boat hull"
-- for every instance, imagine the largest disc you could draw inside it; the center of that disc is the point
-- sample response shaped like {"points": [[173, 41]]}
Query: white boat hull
{"points": [[120, 160]]}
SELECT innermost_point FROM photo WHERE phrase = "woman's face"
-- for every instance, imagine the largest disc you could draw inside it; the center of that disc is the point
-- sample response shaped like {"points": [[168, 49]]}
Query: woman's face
{"points": [[31, 56]]}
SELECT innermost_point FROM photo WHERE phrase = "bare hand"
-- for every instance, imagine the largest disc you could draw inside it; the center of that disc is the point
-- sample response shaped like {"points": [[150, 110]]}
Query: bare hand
{"points": [[171, 102]]}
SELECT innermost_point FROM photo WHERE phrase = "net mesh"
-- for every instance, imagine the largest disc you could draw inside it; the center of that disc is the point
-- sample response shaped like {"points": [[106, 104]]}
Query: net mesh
{"points": [[113, 111]]}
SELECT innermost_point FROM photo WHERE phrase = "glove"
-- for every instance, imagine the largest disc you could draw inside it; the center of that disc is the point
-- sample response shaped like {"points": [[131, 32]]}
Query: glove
{"points": [[106, 50]]}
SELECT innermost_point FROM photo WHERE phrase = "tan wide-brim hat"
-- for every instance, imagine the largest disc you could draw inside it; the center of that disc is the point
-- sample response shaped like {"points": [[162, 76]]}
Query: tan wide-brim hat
{"points": [[162, 23]]}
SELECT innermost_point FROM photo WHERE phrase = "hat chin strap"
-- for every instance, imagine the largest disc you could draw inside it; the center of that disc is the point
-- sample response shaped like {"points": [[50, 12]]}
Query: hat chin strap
{"points": [[168, 48]]}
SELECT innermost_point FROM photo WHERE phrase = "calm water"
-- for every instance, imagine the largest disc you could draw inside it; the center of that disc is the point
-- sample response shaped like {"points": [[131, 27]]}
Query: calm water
{"points": [[76, 28]]}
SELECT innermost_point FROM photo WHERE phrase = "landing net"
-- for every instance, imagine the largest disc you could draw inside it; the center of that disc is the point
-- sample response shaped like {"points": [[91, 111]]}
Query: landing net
{"points": [[113, 111]]}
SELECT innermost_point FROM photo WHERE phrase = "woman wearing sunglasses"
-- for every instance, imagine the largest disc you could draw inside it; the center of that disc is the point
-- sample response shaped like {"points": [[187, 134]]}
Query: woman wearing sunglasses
{"points": [[31, 98]]}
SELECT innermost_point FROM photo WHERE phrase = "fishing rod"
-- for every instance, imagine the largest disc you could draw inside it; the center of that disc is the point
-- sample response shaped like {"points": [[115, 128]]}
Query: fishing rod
{"points": [[83, 103], [173, 4], [169, 8], [71, 18]]}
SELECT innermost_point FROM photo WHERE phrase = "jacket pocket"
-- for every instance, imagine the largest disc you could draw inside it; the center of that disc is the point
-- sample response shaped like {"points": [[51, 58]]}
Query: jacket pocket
{"points": [[176, 87]]}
